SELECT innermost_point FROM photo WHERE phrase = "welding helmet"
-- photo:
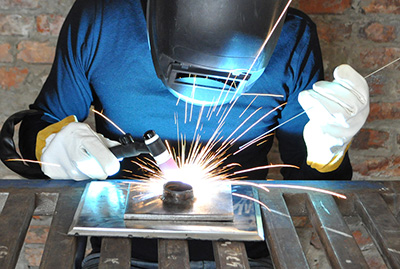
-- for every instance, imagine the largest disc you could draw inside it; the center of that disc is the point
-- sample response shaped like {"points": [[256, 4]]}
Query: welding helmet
{"points": [[211, 51]]}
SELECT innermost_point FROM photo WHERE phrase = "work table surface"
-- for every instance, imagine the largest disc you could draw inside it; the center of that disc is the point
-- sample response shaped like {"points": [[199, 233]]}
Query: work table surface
{"points": [[375, 203]]}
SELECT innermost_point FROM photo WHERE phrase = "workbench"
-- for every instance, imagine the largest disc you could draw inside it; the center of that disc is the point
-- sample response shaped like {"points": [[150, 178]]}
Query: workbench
{"points": [[376, 204]]}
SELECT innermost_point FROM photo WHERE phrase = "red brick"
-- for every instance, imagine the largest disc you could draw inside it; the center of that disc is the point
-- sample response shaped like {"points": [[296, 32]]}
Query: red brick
{"points": [[378, 32], [369, 138], [5, 54], [331, 32], [382, 111], [381, 6], [394, 168], [369, 166], [324, 6], [36, 52], [376, 85], [12, 77], [15, 25], [5, 4], [25, 3], [49, 24], [379, 57], [379, 166]]}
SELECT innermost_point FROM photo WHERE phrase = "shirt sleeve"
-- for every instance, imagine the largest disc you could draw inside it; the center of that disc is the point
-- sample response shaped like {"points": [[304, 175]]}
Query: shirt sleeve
{"points": [[67, 90], [306, 69]]}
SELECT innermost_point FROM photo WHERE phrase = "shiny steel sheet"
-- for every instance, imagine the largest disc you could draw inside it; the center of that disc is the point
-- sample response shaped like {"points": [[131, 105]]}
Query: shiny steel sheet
{"points": [[214, 204], [103, 205]]}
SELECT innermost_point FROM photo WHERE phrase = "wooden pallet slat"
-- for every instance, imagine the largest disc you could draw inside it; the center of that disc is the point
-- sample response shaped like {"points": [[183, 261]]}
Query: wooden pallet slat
{"points": [[14, 223], [340, 245], [382, 225], [279, 230]]}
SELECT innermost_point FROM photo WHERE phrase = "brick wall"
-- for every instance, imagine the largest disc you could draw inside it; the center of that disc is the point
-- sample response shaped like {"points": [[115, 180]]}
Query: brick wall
{"points": [[365, 34]]}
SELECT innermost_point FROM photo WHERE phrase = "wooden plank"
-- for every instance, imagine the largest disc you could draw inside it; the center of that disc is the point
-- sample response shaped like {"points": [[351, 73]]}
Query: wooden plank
{"points": [[60, 248], [382, 225], [173, 254], [340, 245], [230, 254], [14, 223], [279, 230], [115, 253]]}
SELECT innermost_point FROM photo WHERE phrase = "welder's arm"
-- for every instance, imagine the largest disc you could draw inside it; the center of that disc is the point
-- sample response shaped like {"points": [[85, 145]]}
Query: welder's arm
{"points": [[337, 110], [72, 150]]}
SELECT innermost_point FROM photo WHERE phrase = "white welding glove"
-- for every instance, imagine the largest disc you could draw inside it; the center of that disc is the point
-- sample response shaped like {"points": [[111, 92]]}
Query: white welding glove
{"points": [[337, 110], [77, 152]]}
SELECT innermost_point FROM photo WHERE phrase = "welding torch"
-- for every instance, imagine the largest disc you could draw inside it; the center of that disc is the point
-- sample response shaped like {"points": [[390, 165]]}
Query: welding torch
{"points": [[152, 144]]}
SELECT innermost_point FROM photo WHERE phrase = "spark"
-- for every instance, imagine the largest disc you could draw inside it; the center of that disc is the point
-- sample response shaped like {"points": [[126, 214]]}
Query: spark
{"points": [[267, 39], [244, 111], [243, 122], [262, 94], [251, 199], [288, 186], [336, 231], [258, 121], [220, 95], [247, 183], [383, 67], [186, 111], [265, 167], [260, 137], [109, 120], [226, 95], [193, 91], [32, 161], [255, 140]]}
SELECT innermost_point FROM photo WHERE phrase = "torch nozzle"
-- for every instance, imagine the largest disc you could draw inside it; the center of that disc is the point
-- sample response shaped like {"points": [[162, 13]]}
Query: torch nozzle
{"points": [[159, 152]]}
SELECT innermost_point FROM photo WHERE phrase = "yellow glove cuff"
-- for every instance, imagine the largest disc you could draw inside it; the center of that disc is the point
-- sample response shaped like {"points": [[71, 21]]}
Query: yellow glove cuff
{"points": [[332, 165], [46, 132]]}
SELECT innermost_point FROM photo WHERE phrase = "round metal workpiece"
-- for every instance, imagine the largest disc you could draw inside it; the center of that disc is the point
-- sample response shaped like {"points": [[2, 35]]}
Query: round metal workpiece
{"points": [[177, 193]]}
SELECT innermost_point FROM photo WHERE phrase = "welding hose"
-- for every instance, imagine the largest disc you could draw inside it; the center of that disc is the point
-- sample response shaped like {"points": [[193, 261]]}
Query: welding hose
{"points": [[8, 149]]}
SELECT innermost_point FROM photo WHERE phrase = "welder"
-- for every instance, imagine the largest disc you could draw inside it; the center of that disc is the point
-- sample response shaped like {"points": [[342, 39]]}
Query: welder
{"points": [[133, 60]]}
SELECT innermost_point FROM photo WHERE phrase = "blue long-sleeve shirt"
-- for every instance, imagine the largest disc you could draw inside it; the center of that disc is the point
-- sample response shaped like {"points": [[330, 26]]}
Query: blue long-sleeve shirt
{"points": [[103, 59]]}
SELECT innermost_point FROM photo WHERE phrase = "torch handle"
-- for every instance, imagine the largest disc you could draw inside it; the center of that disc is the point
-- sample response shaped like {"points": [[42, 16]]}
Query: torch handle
{"points": [[129, 148]]}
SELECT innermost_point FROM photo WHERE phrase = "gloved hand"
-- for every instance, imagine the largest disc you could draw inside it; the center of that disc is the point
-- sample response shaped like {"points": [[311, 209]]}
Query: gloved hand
{"points": [[77, 152], [337, 110]]}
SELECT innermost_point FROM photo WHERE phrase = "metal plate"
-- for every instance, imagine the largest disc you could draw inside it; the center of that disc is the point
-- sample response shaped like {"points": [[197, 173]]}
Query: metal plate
{"points": [[144, 203], [102, 207]]}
